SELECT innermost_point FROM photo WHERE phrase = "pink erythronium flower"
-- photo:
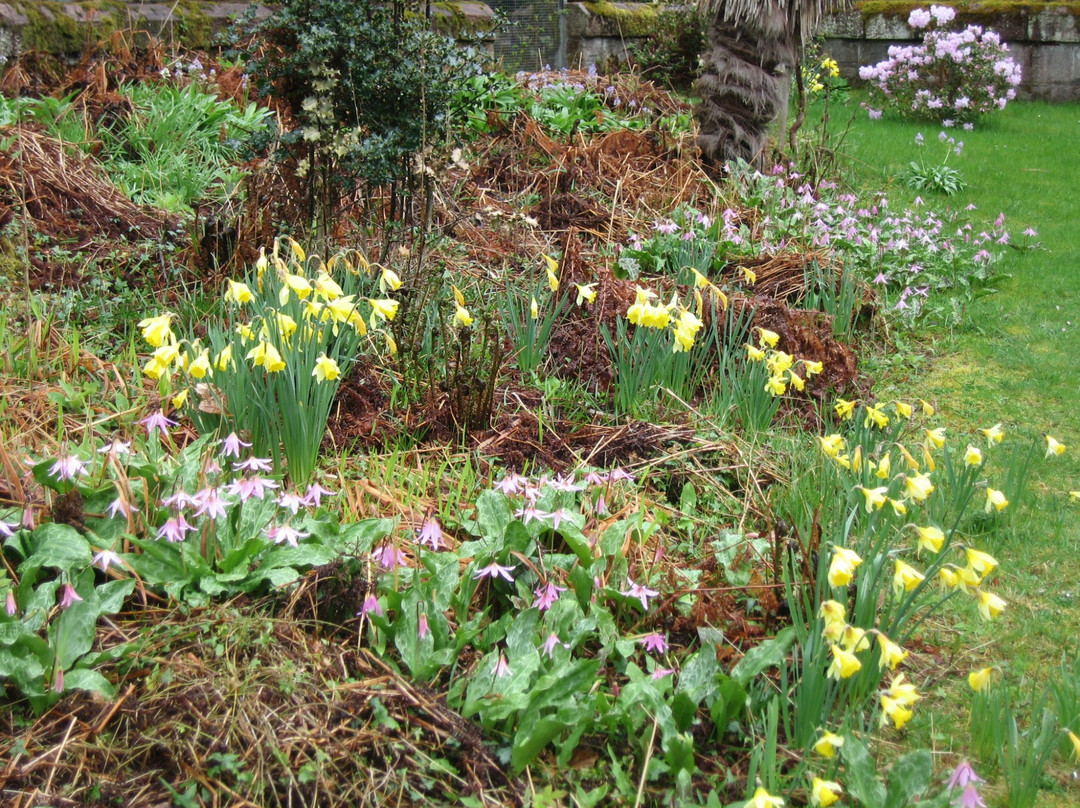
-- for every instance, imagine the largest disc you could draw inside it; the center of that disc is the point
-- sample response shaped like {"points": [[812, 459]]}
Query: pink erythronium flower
{"points": [[68, 596], [174, 529], [546, 595], [560, 516], [230, 445], [370, 604], [104, 558], [596, 478], [260, 464], [423, 629], [660, 673], [58, 679], [969, 798], [431, 534], [493, 571], [1031, 232], [11, 606], [962, 775], [388, 556], [68, 467], [565, 483], [530, 512], [116, 447], [120, 507], [290, 501], [511, 484], [315, 493], [251, 487], [7, 530], [209, 502], [655, 643], [620, 474], [285, 534], [639, 592], [157, 421], [502, 667], [180, 500], [551, 643]]}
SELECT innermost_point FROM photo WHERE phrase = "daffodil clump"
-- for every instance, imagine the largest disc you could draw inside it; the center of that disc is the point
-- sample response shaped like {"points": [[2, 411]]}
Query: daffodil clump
{"points": [[270, 367], [781, 366]]}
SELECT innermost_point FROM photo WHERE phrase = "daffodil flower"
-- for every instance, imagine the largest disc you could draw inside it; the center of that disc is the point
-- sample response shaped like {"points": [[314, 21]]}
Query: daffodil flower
{"points": [[776, 385], [854, 639], [778, 362], [930, 538], [949, 578], [265, 355], [875, 497], [1053, 447], [552, 268], [980, 680], [884, 467], [796, 380], [585, 293], [995, 499], [824, 792], [842, 566], [768, 338], [813, 368], [156, 331], [753, 353], [898, 506], [224, 359], [389, 280], [327, 287], [936, 437], [299, 285], [297, 250], [906, 577], [918, 487], [384, 309], [994, 434], [912, 463], [534, 309], [828, 743], [982, 563], [326, 369], [875, 416], [461, 314], [990, 605], [831, 444], [891, 709], [973, 456], [200, 366], [891, 653], [1075, 742], [844, 664], [844, 409], [762, 799], [238, 293], [903, 409], [748, 275]]}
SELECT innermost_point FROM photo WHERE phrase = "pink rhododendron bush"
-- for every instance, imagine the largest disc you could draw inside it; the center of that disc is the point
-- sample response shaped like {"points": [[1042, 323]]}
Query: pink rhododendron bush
{"points": [[951, 76]]}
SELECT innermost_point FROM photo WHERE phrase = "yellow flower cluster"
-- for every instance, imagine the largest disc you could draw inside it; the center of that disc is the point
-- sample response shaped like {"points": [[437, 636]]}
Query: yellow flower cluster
{"points": [[845, 641], [779, 363], [684, 323]]}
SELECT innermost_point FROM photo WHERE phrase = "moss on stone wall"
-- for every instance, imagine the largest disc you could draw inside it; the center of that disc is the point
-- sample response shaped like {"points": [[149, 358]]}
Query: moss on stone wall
{"points": [[984, 8], [631, 22]]}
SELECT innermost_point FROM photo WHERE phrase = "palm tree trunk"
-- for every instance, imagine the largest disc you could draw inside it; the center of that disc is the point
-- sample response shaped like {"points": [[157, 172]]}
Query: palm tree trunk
{"points": [[746, 80]]}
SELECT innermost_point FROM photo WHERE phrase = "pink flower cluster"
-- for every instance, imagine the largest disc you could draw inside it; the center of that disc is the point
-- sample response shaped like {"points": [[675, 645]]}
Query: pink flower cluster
{"points": [[956, 75]]}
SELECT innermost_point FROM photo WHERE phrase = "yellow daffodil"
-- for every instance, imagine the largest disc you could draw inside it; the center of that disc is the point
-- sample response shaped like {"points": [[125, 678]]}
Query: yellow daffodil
{"points": [[753, 353], [982, 563], [891, 709], [391, 345], [918, 487], [299, 285], [238, 293], [388, 280], [844, 409], [884, 467], [585, 293], [990, 605], [796, 380], [927, 408], [995, 499], [930, 538], [200, 366], [898, 506], [928, 458], [875, 497], [461, 314], [180, 399], [534, 309], [685, 331], [265, 355], [981, 679], [261, 263], [1075, 742], [833, 613], [842, 567], [969, 578], [828, 743], [778, 362], [949, 578], [224, 359], [552, 267], [824, 792], [156, 330], [902, 691], [903, 409], [297, 250], [854, 639], [844, 663], [906, 577], [326, 287], [384, 309], [812, 368], [1053, 447], [891, 653], [973, 456], [831, 444], [936, 437], [876, 417], [912, 463], [286, 325], [162, 361], [762, 799], [856, 459], [1074, 495], [748, 275], [776, 385], [768, 338], [994, 434], [326, 369]]}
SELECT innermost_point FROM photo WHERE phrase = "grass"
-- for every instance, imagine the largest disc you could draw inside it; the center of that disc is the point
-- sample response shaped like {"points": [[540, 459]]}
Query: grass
{"points": [[1012, 361]]}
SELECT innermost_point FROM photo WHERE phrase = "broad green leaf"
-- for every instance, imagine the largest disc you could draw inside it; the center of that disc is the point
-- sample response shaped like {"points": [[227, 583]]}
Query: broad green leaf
{"points": [[862, 782], [769, 654], [492, 514], [86, 679], [528, 743], [111, 595], [59, 546], [73, 633], [698, 675], [909, 777]]}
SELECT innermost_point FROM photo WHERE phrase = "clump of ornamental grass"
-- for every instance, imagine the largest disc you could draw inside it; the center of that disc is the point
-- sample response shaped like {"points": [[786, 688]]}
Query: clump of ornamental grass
{"points": [[268, 369]]}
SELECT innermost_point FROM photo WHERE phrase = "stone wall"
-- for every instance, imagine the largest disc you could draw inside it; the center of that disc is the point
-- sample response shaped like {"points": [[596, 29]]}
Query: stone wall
{"points": [[1044, 42]]}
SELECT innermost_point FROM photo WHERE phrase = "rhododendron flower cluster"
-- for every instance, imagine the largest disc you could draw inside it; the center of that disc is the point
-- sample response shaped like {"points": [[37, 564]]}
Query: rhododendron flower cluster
{"points": [[951, 76]]}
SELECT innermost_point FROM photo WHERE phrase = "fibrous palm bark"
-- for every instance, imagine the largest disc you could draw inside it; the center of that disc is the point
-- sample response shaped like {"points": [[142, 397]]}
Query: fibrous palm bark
{"points": [[754, 46]]}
